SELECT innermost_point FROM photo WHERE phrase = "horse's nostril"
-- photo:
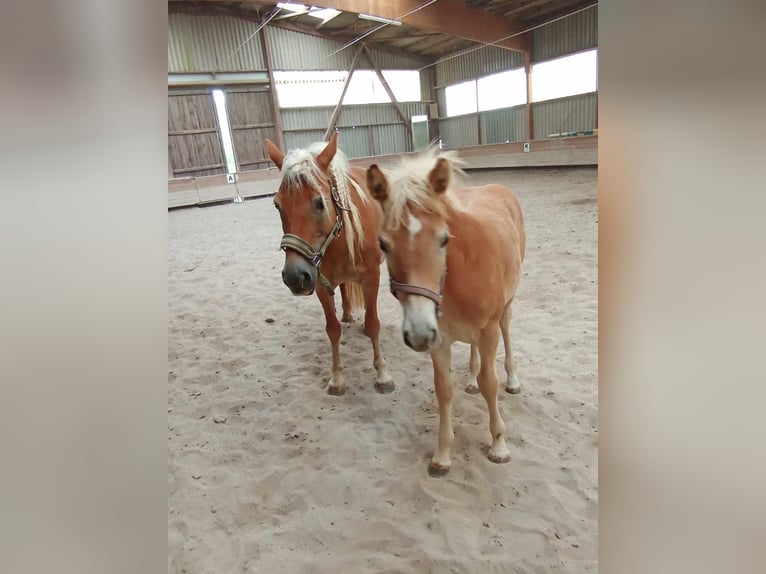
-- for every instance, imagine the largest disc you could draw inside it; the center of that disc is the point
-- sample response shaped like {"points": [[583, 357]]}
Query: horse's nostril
{"points": [[407, 339], [305, 278]]}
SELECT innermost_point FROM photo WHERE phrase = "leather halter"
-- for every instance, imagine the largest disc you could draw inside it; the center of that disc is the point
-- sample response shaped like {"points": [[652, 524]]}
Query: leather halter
{"points": [[304, 248], [410, 289]]}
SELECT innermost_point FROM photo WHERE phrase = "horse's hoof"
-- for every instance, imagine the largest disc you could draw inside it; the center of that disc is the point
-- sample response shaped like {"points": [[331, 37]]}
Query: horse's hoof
{"points": [[385, 387], [347, 318], [336, 391], [472, 389], [513, 390], [437, 470], [499, 459]]}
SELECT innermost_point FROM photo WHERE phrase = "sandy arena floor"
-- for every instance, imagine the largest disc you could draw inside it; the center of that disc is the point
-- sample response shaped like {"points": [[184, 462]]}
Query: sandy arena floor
{"points": [[269, 474]]}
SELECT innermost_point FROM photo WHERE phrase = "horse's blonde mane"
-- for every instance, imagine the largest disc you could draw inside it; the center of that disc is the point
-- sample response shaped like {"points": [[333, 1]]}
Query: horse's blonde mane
{"points": [[300, 166], [408, 186]]}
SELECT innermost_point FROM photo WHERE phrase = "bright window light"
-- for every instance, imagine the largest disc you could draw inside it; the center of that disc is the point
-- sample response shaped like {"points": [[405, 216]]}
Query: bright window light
{"points": [[323, 14], [308, 89], [366, 88], [502, 90], [379, 19], [295, 8], [567, 76], [404, 83], [324, 88], [223, 121], [461, 99]]}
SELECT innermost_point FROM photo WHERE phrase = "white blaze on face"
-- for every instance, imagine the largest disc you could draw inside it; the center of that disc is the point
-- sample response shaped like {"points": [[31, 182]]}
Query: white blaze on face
{"points": [[414, 226]]}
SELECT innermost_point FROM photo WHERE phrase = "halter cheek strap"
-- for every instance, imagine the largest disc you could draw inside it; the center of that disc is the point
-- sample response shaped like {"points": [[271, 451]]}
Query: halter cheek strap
{"points": [[304, 248], [290, 241]]}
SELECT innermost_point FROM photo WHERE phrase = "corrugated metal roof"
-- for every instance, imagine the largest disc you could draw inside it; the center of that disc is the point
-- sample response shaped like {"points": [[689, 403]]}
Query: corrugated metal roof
{"points": [[354, 142], [504, 125], [297, 140], [378, 113], [482, 62], [391, 139], [459, 131], [210, 43], [573, 34], [297, 51], [306, 118], [362, 115], [563, 115]]}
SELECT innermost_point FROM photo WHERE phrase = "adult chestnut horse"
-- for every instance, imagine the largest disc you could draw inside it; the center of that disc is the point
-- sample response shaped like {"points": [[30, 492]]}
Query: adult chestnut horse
{"points": [[330, 226], [454, 258]]}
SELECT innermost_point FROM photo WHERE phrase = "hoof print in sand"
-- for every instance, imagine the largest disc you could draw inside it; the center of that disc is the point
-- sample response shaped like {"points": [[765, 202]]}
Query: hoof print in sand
{"points": [[436, 470], [385, 388]]}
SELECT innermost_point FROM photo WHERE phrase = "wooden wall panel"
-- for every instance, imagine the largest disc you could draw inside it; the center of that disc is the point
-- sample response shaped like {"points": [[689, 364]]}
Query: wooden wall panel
{"points": [[251, 118], [194, 145]]}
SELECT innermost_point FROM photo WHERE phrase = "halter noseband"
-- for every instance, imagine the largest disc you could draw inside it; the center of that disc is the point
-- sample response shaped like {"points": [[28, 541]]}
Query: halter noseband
{"points": [[304, 248], [397, 287]]}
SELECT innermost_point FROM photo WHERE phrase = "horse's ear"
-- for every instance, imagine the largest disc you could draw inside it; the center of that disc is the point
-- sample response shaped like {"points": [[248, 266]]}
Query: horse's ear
{"points": [[325, 158], [276, 156], [440, 175], [377, 184]]}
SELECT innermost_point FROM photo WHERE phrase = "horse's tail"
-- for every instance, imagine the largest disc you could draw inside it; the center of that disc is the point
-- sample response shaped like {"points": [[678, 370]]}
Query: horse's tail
{"points": [[355, 295]]}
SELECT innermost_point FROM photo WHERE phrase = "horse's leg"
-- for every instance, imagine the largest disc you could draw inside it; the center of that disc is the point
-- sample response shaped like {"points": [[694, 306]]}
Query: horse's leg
{"points": [[384, 382], [441, 360], [489, 387], [473, 366], [512, 384], [337, 385], [346, 303]]}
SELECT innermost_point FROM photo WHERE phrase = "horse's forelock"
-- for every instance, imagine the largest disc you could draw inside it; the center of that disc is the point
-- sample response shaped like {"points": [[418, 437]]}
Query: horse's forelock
{"points": [[300, 168], [409, 187]]}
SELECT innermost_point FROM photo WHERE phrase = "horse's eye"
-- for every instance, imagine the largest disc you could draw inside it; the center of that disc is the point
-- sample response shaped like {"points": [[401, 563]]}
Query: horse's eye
{"points": [[278, 207], [318, 203], [444, 241], [383, 245]]}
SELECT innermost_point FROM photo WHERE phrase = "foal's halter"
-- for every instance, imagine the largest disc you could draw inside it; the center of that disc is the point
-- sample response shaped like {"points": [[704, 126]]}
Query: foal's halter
{"points": [[397, 287], [304, 248]]}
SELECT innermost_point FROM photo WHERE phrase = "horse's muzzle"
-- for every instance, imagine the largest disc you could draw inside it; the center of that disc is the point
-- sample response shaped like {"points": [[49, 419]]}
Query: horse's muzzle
{"points": [[300, 276], [420, 342]]}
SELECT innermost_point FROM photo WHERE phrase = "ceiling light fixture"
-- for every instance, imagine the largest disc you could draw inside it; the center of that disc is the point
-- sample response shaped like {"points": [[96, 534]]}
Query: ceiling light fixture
{"points": [[295, 8], [379, 19], [324, 14]]}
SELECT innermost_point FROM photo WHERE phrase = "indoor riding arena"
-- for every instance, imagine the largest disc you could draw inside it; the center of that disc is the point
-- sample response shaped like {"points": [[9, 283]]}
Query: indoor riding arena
{"points": [[267, 471]]}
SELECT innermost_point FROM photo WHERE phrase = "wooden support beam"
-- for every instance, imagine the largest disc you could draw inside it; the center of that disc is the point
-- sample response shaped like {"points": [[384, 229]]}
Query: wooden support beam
{"points": [[193, 132], [252, 126], [530, 131], [429, 43], [478, 115], [273, 88], [336, 112], [388, 89], [434, 133]]}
